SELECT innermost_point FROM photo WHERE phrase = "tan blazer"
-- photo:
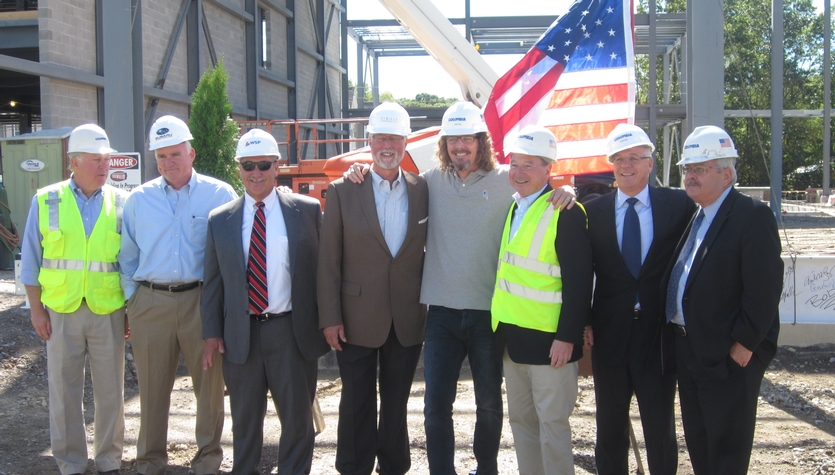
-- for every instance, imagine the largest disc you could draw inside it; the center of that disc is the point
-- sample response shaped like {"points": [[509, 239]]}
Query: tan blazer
{"points": [[360, 284]]}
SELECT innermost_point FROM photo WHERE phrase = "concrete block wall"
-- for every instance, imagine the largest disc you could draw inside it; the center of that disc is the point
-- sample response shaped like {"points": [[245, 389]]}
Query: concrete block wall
{"points": [[67, 36], [67, 30]]}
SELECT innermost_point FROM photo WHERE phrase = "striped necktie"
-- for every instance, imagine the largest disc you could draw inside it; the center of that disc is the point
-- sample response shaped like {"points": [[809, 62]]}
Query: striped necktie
{"points": [[256, 271], [678, 268]]}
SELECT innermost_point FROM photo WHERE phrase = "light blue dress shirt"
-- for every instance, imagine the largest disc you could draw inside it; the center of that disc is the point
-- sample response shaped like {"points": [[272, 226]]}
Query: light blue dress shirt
{"points": [[392, 204], [710, 213], [31, 250], [164, 230], [522, 207], [644, 209]]}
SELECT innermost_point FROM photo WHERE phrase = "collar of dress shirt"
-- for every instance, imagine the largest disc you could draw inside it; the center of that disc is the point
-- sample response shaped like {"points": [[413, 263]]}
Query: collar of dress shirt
{"points": [[525, 203], [713, 208], [377, 180], [77, 191], [191, 182], [269, 201], [643, 197]]}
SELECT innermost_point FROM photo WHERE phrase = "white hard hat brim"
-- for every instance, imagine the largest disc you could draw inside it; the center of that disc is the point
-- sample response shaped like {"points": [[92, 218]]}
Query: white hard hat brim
{"points": [[522, 151], [612, 153]]}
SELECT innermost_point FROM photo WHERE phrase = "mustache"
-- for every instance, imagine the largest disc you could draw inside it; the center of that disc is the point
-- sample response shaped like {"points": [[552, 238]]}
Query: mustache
{"points": [[692, 182]]}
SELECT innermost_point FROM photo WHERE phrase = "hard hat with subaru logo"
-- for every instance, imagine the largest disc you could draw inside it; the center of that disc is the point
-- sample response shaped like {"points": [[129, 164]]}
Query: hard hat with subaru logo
{"points": [[463, 118], [257, 143], [389, 118], [625, 136], [706, 143], [536, 140], [89, 138], [167, 131]]}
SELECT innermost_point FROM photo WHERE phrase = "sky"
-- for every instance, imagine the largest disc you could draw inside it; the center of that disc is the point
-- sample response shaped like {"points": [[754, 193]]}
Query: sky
{"points": [[406, 77]]}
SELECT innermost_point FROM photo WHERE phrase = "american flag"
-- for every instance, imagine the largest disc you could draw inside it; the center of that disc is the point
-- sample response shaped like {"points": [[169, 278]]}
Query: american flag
{"points": [[724, 143], [578, 80]]}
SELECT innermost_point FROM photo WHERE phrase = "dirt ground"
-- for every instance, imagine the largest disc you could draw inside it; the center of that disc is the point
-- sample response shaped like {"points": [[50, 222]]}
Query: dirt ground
{"points": [[795, 427]]}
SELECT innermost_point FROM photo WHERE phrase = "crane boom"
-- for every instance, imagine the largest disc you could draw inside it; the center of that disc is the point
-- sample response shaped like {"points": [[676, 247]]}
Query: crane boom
{"points": [[442, 41]]}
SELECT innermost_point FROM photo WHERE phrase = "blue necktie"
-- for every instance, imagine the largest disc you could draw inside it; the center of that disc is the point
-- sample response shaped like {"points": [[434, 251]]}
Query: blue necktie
{"points": [[630, 246], [678, 269]]}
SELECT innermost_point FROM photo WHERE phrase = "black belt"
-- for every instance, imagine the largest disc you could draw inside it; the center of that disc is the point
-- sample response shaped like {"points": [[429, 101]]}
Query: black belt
{"points": [[263, 317], [637, 314], [679, 329], [170, 288]]}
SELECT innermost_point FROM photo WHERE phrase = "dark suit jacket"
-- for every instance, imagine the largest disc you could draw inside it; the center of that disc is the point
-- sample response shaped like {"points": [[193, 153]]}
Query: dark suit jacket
{"points": [[733, 289], [225, 300], [526, 346], [612, 314], [361, 285]]}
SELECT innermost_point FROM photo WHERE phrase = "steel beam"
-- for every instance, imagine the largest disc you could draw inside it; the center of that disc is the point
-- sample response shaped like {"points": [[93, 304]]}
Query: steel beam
{"points": [[705, 73], [827, 95], [776, 107]]}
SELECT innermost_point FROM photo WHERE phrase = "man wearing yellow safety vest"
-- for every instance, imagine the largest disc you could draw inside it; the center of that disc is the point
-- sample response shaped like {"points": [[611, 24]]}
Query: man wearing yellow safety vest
{"points": [[71, 276], [540, 305]]}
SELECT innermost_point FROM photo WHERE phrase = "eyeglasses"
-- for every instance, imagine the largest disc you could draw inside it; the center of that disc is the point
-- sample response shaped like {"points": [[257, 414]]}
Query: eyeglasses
{"points": [[382, 138], [697, 170], [263, 165], [632, 160], [465, 139]]}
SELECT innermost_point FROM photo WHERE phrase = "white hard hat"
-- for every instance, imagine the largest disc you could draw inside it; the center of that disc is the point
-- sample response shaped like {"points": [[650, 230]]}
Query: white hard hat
{"points": [[389, 118], [167, 131], [706, 143], [625, 136], [89, 138], [463, 118], [536, 140], [257, 143]]}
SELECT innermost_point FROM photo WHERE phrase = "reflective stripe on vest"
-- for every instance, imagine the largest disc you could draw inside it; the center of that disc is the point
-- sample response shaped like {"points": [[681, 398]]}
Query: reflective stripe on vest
{"points": [[528, 293], [74, 264]]}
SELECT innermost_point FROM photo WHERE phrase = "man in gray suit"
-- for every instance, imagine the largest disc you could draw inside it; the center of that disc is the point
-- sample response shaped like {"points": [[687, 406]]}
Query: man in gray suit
{"points": [[259, 308]]}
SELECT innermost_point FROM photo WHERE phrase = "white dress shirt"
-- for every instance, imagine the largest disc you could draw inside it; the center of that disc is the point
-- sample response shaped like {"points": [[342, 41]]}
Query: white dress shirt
{"points": [[392, 204], [278, 252]]}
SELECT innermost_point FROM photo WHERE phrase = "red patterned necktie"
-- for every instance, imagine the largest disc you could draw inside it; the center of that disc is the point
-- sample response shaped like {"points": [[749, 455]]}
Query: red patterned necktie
{"points": [[256, 272]]}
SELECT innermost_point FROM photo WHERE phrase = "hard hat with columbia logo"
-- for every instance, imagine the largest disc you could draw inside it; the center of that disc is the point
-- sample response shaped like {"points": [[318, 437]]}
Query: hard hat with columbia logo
{"points": [[89, 138], [167, 131], [463, 118], [706, 143], [626, 136], [537, 141], [389, 118], [257, 143]]}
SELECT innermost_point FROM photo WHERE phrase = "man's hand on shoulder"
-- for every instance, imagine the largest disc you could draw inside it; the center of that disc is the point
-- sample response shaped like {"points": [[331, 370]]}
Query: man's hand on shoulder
{"points": [[356, 172], [563, 197], [209, 347]]}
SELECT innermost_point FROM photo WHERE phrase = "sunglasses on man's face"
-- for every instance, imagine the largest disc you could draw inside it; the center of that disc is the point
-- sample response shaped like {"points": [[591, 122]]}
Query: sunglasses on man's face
{"points": [[249, 165]]}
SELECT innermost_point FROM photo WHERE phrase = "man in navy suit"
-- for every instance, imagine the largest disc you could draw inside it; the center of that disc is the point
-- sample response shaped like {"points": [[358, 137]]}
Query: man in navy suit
{"points": [[722, 297], [633, 232]]}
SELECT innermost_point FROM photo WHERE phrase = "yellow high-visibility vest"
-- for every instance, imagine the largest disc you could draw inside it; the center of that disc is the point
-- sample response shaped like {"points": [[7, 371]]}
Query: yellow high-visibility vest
{"points": [[75, 267], [528, 289]]}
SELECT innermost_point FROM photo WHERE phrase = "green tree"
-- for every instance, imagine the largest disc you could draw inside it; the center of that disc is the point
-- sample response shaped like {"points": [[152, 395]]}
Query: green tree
{"points": [[215, 133]]}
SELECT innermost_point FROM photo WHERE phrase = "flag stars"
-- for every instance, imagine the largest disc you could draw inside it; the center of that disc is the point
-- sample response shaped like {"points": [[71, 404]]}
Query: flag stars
{"points": [[586, 35], [589, 57], [611, 32], [610, 10], [599, 44], [550, 47], [583, 27], [598, 22], [586, 12], [566, 58], [613, 56], [567, 42], [567, 31]]}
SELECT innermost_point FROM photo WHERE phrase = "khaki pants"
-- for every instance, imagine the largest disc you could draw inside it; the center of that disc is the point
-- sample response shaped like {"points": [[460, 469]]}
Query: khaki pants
{"points": [[76, 336], [163, 325], [539, 401]]}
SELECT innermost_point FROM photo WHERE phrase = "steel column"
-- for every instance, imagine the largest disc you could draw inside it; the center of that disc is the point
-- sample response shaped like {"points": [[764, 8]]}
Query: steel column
{"points": [[827, 95], [776, 107]]}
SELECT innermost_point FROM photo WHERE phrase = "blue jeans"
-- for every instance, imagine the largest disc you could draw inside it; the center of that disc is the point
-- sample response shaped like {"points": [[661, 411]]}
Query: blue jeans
{"points": [[450, 336]]}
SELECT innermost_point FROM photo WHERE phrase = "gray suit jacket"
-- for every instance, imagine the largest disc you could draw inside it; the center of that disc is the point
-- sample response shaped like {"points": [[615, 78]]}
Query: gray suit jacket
{"points": [[225, 301]]}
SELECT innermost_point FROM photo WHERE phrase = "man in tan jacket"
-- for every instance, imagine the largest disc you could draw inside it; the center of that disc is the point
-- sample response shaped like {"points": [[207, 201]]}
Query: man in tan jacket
{"points": [[370, 267]]}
